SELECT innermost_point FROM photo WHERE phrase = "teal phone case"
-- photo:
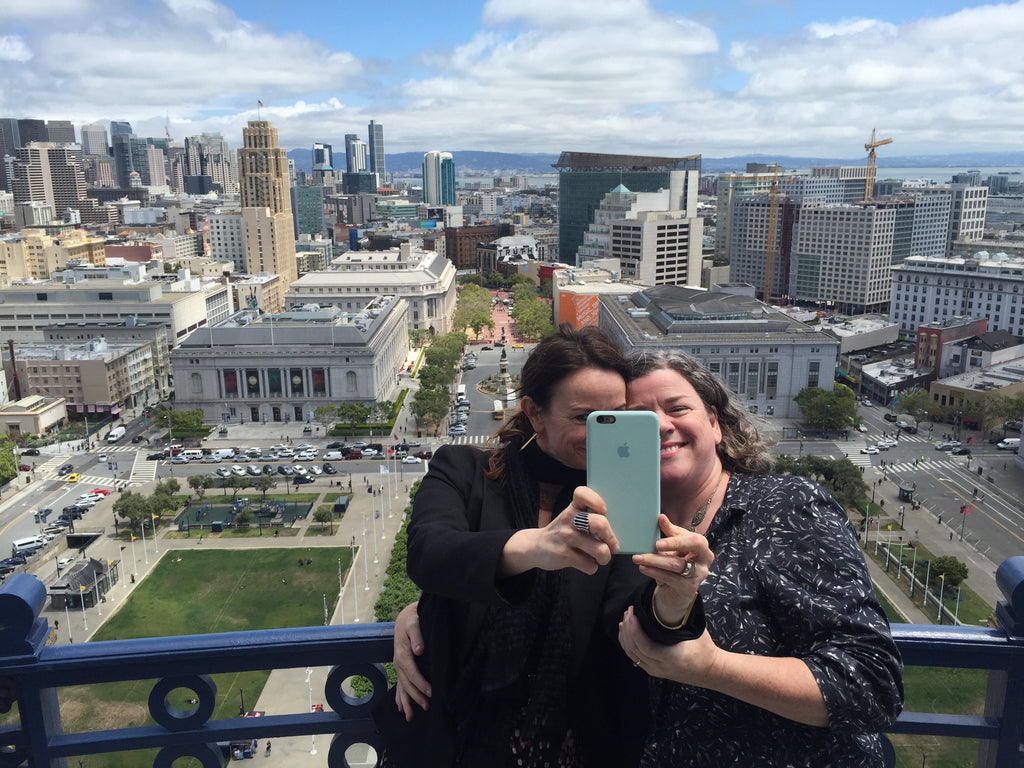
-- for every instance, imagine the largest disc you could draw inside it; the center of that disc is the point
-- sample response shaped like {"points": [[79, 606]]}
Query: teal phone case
{"points": [[624, 466]]}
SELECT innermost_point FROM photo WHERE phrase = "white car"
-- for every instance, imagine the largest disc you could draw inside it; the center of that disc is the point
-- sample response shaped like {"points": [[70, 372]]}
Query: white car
{"points": [[237, 470], [223, 471], [298, 469], [862, 428], [285, 453], [870, 450], [209, 459], [102, 457], [412, 460], [314, 469], [303, 447], [368, 452]]}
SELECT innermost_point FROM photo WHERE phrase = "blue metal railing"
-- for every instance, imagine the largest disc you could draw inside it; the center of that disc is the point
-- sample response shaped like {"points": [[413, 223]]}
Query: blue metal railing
{"points": [[31, 672]]}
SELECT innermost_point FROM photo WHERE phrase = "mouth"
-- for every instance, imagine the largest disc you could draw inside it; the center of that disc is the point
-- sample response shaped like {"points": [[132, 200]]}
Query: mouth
{"points": [[670, 449]]}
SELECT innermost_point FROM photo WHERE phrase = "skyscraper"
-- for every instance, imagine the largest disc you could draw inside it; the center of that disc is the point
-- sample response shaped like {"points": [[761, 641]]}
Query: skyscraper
{"points": [[376, 144], [438, 178], [60, 131], [94, 139], [263, 169], [31, 130], [120, 127], [266, 203], [129, 157], [355, 154], [323, 164], [46, 173]]}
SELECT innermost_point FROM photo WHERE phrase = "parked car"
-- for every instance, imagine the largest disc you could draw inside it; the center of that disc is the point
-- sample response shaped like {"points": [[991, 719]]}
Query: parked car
{"points": [[329, 469], [890, 417], [412, 460], [369, 452], [302, 479], [303, 447], [179, 459], [457, 430], [101, 491], [862, 428], [254, 470], [355, 453], [298, 469], [30, 452], [314, 469], [486, 346], [424, 454], [335, 446], [209, 459], [359, 444], [25, 467], [268, 469], [237, 470], [284, 469], [223, 471]]}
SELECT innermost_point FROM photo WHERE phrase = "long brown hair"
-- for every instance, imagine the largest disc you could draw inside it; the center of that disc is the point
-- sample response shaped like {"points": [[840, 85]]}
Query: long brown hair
{"points": [[560, 355], [742, 448]]}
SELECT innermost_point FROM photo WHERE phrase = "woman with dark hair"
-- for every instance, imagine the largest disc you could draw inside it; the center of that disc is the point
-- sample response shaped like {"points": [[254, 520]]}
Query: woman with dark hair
{"points": [[521, 592], [797, 666]]}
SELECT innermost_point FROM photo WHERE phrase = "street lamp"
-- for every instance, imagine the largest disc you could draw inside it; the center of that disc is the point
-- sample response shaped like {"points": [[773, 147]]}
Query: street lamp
{"points": [[241, 704]]}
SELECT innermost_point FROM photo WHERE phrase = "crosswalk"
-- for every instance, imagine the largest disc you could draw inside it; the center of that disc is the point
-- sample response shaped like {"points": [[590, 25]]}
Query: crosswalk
{"points": [[473, 440]]}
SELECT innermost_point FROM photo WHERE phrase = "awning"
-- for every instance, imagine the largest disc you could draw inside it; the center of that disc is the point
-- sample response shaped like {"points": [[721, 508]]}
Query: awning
{"points": [[115, 410]]}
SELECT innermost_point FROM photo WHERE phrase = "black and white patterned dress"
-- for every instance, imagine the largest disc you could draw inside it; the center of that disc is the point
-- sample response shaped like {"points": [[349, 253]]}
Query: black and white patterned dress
{"points": [[789, 579]]}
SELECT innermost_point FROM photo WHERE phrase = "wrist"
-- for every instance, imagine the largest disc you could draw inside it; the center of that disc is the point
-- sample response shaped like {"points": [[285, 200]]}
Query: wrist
{"points": [[668, 618]]}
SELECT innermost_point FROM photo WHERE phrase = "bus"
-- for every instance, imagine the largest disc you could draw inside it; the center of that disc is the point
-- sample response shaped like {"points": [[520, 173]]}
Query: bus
{"points": [[499, 410]]}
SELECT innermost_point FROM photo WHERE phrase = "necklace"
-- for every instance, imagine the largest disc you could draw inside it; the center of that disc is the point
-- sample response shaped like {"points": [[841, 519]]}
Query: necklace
{"points": [[699, 517]]}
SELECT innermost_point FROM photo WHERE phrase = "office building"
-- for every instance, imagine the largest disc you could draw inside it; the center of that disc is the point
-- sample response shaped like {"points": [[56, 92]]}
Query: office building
{"points": [[34, 255], [48, 173], [280, 367], [94, 140], [967, 211], [461, 242], [323, 165], [852, 180], [584, 179], [308, 210], [935, 289], [113, 295], [651, 242], [729, 187], [438, 178], [762, 354], [263, 169], [355, 154], [376, 145], [270, 243], [120, 128], [60, 131], [227, 238], [425, 279], [10, 136], [32, 130]]}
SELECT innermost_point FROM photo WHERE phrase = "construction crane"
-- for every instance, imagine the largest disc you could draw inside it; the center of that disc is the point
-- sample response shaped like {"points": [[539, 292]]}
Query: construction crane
{"points": [[769, 255], [869, 186]]}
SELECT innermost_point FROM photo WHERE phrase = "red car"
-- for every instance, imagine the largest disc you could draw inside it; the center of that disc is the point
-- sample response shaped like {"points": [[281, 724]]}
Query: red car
{"points": [[101, 491], [24, 467], [355, 453]]}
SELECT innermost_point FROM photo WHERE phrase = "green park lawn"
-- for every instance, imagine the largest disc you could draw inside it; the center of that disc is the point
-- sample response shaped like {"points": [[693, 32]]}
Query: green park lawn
{"points": [[202, 592]]}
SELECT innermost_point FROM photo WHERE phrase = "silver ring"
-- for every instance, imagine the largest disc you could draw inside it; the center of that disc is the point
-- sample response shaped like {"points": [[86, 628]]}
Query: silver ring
{"points": [[582, 521], [687, 572]]}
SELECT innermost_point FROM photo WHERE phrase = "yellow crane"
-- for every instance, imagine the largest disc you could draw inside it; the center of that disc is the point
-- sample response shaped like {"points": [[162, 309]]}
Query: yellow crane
{"points": [[869, 186]]}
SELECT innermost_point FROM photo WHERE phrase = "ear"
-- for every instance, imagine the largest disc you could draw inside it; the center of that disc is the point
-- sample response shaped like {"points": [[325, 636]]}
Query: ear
{"points": [[716, 426], [532, 411]]}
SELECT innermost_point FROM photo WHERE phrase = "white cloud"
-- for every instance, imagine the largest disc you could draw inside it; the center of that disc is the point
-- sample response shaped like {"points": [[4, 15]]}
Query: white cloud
{"points": [[13, 48], [615, 75]]}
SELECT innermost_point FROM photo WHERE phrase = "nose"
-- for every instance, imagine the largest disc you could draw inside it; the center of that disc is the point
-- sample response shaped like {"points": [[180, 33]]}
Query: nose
{"points": [[664, 423]]}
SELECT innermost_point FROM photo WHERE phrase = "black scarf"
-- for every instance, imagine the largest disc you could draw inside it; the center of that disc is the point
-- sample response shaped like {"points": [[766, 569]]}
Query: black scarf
{"points": [[512, 695]]}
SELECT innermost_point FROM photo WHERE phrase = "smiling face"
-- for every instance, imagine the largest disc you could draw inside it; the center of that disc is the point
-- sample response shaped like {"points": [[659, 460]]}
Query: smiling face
{"points": [[562, 427], [690, 433]]}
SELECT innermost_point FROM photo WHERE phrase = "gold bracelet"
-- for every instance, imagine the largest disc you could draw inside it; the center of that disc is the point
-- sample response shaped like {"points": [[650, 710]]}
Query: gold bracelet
{"points": [[686, 613]]}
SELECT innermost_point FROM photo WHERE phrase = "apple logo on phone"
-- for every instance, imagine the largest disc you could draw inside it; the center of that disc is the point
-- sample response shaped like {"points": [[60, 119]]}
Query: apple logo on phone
{"points": [[624, 450]]}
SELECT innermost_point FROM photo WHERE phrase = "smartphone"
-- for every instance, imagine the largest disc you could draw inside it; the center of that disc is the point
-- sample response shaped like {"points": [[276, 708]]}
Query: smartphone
{"points": [[624, 466]]}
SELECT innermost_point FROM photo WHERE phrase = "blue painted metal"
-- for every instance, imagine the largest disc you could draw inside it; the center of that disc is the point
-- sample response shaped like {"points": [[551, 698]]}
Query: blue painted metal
{"points": [[31, 672]]}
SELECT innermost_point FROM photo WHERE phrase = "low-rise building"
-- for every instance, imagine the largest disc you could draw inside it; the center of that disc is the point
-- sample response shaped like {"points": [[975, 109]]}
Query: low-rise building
{"points": [[759, 352], [425, 279], [280, 367], [32, 415]]}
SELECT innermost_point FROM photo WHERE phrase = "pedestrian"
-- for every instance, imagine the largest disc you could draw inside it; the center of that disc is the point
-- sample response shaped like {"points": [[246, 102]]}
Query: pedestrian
{"points": [[268, 748], [950, 535], [200, 539], [975, 494]]}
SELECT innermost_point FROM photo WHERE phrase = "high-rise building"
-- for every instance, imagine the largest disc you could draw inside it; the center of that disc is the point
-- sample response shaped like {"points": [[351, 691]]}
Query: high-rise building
{"points": [[967, 212], [584, 178], [308, 210], [263, 169], [60, 131], [31, 130], [47, 173], [10, 137], [355, 154], [323, 164], [266, 203], [94, 140], [376, 144], [438, 178], [130, 158], [156, 167], [120, 128]]}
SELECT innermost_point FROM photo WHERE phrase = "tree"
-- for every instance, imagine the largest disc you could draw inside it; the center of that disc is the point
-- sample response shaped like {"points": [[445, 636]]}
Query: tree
{"points": [[430, 406], [244, 517], [914, 404], [325, 414], [433, 377], [8, 465], [473, 309], [237, 483], [474, 278], [199, 484], [131, 507], [828, 410], [546, 289], [323, 516], [383, 410], [353, 413], [837, 476], [950, 567]]}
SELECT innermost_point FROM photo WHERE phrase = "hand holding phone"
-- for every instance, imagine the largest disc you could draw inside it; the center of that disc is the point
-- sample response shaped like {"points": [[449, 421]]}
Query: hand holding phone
{"points": [[624, 467]]}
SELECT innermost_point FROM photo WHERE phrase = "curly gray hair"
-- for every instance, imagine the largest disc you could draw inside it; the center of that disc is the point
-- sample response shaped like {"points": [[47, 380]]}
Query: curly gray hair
{"points": [[742, 448]]}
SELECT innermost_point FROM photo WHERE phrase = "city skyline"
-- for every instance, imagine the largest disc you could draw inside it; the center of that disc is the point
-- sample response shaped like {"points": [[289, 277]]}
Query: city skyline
{"points": [[743, 76]]}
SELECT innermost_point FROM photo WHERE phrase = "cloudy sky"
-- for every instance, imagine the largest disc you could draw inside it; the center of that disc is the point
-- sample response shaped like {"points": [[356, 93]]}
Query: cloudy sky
{"points": [[716, 77]]}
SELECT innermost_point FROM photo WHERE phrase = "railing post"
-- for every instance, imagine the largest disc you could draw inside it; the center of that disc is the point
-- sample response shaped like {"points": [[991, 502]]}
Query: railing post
{"points": [[1005, 695], [22, 636]]}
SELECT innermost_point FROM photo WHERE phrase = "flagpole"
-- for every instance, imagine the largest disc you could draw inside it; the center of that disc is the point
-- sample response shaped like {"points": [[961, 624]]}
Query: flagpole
{"points": [[135, 561], [81, 596], [145, 553], [96, 586], [156, 548], [341, 603]]}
